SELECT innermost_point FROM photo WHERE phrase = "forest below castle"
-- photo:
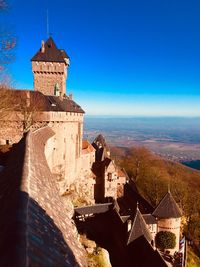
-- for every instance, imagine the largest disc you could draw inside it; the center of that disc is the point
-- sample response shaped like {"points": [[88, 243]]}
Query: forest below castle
{"points": [[154, 175], [150, 150]]}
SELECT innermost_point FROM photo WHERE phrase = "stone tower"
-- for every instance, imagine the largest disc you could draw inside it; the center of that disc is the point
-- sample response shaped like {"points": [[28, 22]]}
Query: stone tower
{"points": [[168, 217], [50, 66]]}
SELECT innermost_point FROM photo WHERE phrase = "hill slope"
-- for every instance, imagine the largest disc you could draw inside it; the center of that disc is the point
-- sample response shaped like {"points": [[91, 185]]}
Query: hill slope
{"points": [[154, 175]]}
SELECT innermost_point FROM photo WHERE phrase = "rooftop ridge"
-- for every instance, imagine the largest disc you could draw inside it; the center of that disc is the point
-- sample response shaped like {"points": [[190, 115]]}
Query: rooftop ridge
{"points": [[139, 228]]}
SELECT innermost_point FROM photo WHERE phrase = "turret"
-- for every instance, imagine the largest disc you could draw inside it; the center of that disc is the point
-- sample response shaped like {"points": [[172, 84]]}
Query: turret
{"points": [[168, 216], [50, 66]]}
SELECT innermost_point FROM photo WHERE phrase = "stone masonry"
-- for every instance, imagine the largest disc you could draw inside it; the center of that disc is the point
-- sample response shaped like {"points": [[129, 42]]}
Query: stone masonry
{"points": [[49, 66], [35, 221], [48, 75]]}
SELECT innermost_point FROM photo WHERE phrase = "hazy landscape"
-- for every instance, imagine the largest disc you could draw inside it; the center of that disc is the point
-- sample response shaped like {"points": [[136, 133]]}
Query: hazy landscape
{"points": [[175, 138]]}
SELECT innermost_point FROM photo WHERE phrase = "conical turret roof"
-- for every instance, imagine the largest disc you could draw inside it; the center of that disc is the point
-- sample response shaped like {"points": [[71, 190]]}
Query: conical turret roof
{"points": [[167, 208], [139, 228]]}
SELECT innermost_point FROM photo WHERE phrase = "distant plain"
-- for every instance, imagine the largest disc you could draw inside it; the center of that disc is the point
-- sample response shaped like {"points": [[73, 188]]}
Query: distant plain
{"points": [[175, 138]]}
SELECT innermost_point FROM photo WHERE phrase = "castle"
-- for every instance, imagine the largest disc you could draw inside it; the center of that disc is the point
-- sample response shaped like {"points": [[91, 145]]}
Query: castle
{"points": [[69, 157], [77, 164]]}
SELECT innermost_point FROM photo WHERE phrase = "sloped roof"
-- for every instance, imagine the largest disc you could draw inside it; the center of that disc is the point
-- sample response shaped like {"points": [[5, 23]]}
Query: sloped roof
{"points": [[149, 219], [65, 104], [51, 53], [167, 208], [87, 147], [100, 141], [142, 254], [41, 102], [139, 228], [93, 209]]}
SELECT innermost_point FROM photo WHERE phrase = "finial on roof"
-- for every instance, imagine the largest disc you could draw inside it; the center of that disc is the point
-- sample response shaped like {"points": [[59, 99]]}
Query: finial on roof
{"points": [[137, 205]]}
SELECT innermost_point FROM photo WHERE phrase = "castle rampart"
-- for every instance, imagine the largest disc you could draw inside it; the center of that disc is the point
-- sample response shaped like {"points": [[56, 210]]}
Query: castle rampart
{"points": [[39, 230]]}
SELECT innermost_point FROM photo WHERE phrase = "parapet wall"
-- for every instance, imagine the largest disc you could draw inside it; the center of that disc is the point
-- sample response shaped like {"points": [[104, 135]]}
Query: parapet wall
{"points": [[40, 228]]}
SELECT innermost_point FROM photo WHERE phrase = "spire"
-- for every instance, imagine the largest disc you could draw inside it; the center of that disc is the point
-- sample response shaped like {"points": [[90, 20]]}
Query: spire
{"points": [[139, 228], [167, 208]]}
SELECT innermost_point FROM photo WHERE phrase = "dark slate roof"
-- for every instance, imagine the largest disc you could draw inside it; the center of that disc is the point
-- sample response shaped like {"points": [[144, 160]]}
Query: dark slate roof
{"points": [[149, 219], [93, 209], [142, 254], [124, 218], [101, 148], [51, 53], [65, 104], [129, 201], [100, 141], [40, 102], [167, 208], [139, 228]]}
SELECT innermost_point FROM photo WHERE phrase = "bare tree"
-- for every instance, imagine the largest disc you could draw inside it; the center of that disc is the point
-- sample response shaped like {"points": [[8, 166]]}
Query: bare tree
{"points": [[7, 44], [5, 102], [27, 105], [7, 41]]}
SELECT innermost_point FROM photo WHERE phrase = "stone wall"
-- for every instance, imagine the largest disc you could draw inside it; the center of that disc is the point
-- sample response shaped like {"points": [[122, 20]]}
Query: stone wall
{"points": [[38, 229], [63, 151], [47, 74], [171, 225]]}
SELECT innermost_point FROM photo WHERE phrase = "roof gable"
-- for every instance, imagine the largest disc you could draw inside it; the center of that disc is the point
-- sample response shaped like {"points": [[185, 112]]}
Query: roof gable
{"points": [[139, 228], [167, 208], [51, 53]]}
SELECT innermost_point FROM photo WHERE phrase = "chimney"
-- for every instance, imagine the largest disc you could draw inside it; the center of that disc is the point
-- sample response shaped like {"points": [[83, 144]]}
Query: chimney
{"points": [[42, 47], [70, 96]]}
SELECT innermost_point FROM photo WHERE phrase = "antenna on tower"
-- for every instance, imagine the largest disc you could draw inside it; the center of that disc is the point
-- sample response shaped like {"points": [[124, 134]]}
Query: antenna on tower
{"points": [[47, 23]]}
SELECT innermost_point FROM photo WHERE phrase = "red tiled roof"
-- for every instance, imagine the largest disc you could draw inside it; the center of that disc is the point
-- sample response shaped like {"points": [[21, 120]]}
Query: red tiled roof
{"points": [[87, 147]]}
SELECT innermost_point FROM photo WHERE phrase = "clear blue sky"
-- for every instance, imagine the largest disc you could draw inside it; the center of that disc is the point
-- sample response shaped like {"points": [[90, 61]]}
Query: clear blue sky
{"points": [[128, 57]]}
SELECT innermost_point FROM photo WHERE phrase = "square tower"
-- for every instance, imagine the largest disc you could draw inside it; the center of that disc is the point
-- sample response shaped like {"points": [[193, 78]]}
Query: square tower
{"points": [[50, 66]]}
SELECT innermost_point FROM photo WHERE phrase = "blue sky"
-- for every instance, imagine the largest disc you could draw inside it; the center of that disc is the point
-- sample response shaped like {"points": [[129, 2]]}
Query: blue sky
{"points": [[127, 57]]}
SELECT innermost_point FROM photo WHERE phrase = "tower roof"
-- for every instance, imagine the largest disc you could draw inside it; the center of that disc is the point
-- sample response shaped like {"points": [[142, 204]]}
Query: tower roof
{"points": [[50, 53], [167, 208], [102, 150], [139, 228]]}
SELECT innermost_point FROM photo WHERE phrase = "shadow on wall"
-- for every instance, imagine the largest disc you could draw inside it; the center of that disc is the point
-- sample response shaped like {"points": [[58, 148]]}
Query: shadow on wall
{"points": [[27, 233], [46, 245]]}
